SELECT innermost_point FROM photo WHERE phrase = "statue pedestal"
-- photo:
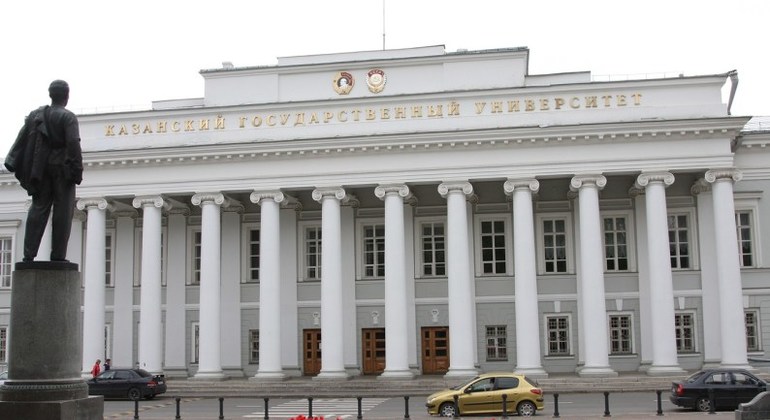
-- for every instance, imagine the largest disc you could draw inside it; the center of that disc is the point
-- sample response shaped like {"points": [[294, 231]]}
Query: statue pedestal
{"points": [[45, 347]]}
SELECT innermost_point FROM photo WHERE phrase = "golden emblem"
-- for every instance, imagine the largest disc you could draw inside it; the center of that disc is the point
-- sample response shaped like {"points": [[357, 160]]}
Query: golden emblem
{"points": [[375, 80], [343, 83]]}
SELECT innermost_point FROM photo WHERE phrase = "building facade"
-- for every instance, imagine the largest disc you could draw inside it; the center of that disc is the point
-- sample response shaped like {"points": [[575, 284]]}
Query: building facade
{"points": [[419, 211]]}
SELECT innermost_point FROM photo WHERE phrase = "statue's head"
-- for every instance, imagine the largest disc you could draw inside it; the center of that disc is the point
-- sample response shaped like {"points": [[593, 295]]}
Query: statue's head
{"points": [[59, 91]]}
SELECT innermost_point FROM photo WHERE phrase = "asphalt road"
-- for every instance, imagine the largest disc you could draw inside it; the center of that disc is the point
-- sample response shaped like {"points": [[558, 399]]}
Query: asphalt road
{"points": [[630, 405]]}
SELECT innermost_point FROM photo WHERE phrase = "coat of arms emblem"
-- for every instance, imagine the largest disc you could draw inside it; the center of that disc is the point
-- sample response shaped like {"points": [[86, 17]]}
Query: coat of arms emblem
{"points": [[375, 80]]}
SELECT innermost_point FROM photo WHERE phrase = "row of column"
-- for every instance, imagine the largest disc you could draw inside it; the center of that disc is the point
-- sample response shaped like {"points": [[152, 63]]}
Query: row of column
{"points": [[594, 343]]}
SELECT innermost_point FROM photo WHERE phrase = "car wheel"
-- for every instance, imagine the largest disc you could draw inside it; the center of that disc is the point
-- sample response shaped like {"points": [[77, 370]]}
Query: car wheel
{"points": [[447, 410], [526, 409], [134, 394], [703, 404]]}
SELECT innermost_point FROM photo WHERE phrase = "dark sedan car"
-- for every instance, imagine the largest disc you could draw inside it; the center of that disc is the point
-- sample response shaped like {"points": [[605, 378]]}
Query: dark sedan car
{"points": [[730, 388], [133, 384]]}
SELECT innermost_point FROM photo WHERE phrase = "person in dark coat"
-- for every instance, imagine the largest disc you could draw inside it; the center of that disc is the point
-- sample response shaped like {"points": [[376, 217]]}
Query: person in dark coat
{"points": [[47, 160]]}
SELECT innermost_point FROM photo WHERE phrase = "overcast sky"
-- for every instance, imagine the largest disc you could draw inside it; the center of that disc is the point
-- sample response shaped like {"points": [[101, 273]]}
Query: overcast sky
{"points": [[126, 54]]}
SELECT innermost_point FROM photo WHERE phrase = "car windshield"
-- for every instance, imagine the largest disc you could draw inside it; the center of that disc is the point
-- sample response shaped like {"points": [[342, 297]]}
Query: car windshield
{"points": [[464, 384]]}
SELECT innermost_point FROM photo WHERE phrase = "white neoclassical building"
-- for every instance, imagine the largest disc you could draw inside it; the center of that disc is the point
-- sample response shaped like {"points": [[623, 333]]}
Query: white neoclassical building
{"points": [[420, 211]]}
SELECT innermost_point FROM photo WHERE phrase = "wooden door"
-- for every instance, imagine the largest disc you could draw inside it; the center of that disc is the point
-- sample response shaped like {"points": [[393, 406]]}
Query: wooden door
{"points": [[435, 350], [312, 351], [373, 346]]}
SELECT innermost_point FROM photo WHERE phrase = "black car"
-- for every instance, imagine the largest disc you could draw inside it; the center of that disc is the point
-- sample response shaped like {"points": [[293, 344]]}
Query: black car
{"points": [[133, 384], [730, 387]]}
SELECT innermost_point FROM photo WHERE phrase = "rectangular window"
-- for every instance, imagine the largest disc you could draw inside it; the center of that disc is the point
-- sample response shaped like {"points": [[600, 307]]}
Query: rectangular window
{"points": [[493, 251], [620, 334], [313, 253], [615, 244], [6, 261], [555, 245], [374, 251], [254, 347], [196, 260], [745, 248], [685, 332], [752, 330], [107, 341], [3, 344], [558, 335], [108, 260], [678, 240], [253, 255], [433, 239], [497, 349], [195, 343]]}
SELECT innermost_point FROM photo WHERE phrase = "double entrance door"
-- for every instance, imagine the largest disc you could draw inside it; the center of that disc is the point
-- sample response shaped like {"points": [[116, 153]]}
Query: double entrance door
{"points": [[434, 344]]}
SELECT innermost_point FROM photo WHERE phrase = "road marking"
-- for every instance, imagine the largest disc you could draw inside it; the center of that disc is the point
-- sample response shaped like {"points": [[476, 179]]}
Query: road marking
{"points": [[332, 408]]}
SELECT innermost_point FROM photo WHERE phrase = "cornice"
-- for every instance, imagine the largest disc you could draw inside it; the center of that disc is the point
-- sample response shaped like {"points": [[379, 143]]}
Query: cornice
{"points": [[525, 136]]}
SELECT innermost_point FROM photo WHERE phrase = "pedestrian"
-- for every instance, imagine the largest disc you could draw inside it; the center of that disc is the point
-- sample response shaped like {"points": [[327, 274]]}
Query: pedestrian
{"points": [[47, 160], [96, 370], [107, 364]]}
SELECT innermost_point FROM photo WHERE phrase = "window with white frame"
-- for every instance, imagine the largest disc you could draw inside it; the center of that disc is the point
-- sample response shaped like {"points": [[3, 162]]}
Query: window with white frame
{"points": [[195, 342], [253, 347], [621, 334], [107, 341], [684, 325], [753, 342], [554, 245], [6, 260], [616, 255], [497, 347], [3, 344], [493, 246], [433, 248], [557, 331], [252, 245], [745, 238], [679, 240], [312, 247], [373, 252], [196, 257], [108, 259]]}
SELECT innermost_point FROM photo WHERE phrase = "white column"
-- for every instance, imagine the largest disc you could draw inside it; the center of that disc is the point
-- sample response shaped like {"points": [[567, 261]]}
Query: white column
{"points": [[123, 290], [525, 281], [269, 284], [175, 364], [664, 355], [460, 283], [712, 333], [150, 315], [94, 278], [332, 356], [591, 291], [732, 318], [209, 356], [396, 310]]}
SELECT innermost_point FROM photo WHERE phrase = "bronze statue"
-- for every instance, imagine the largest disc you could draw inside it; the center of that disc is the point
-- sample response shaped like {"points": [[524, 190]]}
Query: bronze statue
{"points": [[47, 160]]}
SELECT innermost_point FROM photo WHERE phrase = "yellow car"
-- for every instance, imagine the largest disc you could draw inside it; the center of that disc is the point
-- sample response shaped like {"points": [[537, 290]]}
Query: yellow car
{"points": [[484, 395]]}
